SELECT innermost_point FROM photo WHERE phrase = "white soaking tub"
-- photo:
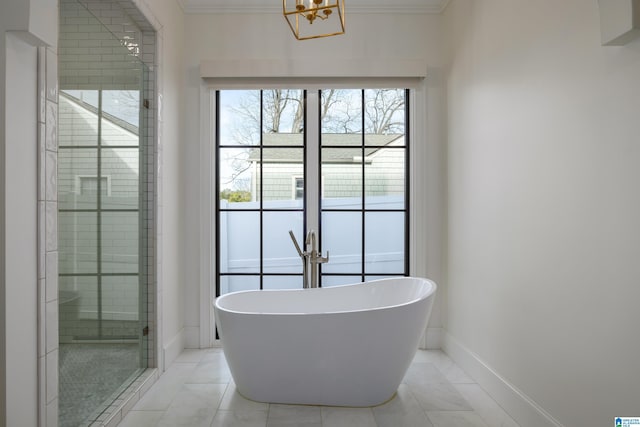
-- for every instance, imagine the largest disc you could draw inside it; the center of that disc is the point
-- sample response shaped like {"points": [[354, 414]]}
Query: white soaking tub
{"points": [[340, 346]]}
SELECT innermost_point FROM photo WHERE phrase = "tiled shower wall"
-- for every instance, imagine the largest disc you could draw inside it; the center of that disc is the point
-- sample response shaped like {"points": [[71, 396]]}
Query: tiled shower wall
{"points": [[47, 238], [92, 59]]}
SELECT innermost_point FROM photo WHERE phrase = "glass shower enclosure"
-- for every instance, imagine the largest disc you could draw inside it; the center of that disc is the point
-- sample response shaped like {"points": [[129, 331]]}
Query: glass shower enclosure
{"points": [[102, 282]]}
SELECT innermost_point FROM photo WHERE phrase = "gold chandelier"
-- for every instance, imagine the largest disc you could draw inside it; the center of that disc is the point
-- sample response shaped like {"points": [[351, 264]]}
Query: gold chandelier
{"points": [[312, 19]]}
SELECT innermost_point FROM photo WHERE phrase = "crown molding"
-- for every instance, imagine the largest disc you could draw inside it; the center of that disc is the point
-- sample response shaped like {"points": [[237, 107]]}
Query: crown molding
{"points": [[247, 9]]}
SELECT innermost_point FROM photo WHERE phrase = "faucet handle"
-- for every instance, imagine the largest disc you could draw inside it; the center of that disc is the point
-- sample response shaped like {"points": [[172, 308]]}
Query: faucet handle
{"points": [[295, 243], [322, 259]]}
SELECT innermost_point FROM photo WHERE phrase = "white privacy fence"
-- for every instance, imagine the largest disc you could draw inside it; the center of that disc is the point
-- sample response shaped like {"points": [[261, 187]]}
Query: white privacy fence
{"points": [[342, 236]]}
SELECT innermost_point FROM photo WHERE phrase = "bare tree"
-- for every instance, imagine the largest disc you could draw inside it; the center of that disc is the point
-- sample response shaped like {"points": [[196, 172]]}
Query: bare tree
{"points": [[280, 108], [341, 111], [282, 111], [384, 111]]}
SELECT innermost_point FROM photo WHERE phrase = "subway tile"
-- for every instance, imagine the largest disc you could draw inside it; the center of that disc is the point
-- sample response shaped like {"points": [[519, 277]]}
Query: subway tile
{"points": [[51, 285], [51, 178], [42, 245], [51, 135], [52, 75], [51, 315], [52, 375], [42, 163], [42, 319], [42, 83], [51, 226]]}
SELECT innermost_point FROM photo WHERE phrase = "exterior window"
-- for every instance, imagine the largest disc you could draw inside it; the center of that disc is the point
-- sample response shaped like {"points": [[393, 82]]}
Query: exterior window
{"points": [[88, 186], [298, 188], [348, 180]]}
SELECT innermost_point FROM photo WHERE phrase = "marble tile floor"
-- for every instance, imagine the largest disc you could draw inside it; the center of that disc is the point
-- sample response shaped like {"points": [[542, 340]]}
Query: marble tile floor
{"points": [[197, 391]]}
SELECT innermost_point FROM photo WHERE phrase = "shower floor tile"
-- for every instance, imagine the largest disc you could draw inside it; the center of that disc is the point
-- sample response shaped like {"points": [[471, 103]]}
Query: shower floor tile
{"points": [[90, 376], [434, 393]]}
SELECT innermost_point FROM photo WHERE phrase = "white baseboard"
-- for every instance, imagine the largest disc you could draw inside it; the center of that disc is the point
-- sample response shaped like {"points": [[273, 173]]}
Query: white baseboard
{"points": [[518, 405], [173, 349], [191, 337]]}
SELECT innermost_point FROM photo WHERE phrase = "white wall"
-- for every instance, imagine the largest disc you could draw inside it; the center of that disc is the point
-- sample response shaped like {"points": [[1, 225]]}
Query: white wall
{"points": [[168, 16], [544, 207], [266, 38]]}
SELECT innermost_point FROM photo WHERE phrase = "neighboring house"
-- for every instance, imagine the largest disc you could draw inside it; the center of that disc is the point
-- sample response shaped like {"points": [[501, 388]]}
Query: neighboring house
{"points": [[342, 157], [97, 235]]}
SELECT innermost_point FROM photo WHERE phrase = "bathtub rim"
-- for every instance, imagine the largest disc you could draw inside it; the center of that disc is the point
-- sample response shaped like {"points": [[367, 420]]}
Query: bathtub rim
{"points": [[432, 290]]}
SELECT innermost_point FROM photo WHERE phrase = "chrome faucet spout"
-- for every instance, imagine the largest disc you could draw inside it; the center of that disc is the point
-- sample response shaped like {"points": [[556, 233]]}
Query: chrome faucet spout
{"points": [[311, 257]]}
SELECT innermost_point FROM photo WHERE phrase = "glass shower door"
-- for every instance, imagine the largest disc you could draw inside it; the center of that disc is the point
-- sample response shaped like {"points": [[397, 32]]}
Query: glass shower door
{"points": [[101, 212]]}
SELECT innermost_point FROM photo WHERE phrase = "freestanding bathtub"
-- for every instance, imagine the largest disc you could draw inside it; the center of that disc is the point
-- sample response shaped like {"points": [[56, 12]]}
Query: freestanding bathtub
{"points": [[340, 346]]}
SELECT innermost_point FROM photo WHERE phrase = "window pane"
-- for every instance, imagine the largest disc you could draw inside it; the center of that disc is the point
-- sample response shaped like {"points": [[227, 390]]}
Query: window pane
{"points": [[385, 179], [384, 242], [342, 237], [120, 307], [280, 255], [370, 278], [77, 234], [239, 236], [238, 283], [121, 175], [78, 118], [77, 173], [280, 166], [384, 112], [239, 122], [239, 175], [341, 178], [282, 282], [78, 306], [119, 242], [341, 111], [283, 113], [118, 132], [122, 106]]}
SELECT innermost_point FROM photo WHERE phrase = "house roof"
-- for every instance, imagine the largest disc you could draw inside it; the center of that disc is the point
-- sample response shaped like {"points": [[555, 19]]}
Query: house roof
{"points": [[339, 146], [91, 109]]}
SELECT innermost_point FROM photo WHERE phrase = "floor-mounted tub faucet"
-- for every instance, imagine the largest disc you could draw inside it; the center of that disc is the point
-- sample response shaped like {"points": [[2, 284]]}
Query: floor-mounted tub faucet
{"points": [[315, 258], [311, 257]]}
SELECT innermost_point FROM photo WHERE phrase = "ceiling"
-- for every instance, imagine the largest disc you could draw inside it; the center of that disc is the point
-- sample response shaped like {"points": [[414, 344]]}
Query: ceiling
{"points": [[248, 6]]}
